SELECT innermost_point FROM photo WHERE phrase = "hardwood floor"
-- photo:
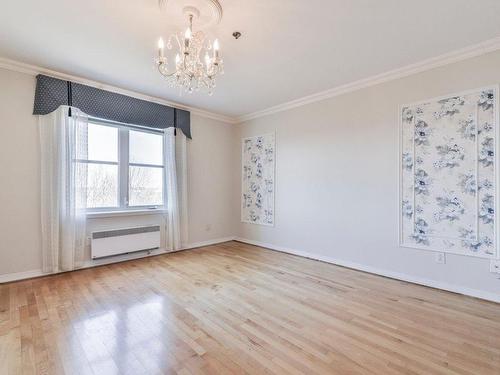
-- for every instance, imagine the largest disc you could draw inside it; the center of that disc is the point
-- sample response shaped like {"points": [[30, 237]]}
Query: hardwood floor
{"points": [[235, 308]]}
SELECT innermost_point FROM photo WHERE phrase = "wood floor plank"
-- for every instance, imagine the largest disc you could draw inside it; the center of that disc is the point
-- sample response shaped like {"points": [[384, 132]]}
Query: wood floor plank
{"points": [[233, 308]]}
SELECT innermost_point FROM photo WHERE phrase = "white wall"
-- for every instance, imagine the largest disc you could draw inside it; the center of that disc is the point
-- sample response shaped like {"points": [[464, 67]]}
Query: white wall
{"points": [[211, 169], [211, 175], [19, 175], [336, 179]]}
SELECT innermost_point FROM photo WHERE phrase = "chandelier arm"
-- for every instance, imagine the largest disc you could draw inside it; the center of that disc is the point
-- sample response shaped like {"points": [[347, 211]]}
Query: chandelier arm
{"points": [[178, 42], [164, 71], [216, 70]]}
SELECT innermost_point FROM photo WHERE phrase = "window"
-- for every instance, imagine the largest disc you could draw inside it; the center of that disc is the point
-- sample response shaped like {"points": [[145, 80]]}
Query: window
{"points": [[124, 168]]}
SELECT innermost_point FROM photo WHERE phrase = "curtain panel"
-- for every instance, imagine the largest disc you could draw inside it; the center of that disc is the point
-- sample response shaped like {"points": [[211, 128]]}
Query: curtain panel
{"points": [[63, 140], [51, 93], [176, 190]]}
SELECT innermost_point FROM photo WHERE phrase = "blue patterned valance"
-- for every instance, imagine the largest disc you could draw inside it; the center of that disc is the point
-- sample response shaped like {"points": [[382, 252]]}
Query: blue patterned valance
{"points": [[52, 92]]}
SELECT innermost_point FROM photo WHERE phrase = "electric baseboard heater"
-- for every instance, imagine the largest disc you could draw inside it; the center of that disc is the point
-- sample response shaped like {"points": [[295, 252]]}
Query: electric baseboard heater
{"points": [[126, 240]]}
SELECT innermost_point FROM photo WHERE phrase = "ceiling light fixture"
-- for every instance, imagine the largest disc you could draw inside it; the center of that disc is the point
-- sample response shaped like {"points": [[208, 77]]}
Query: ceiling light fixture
{"points": [[194, 61]]}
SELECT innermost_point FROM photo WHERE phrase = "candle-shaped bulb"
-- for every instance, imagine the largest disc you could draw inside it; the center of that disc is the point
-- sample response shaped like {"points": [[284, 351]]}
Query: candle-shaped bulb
{"points": [[216, 47], [161, 45], [187, 38], [207, 60], [177, 59]]}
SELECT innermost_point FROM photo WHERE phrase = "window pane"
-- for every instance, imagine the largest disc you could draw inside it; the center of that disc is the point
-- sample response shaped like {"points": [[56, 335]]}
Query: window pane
{"points": [[102, 186], [146, 148], [103, 143], [146, 186]]}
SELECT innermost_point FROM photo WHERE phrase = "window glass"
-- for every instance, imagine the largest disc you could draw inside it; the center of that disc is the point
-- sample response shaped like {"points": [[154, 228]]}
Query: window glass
{"points": [[146, 186], [102, 186], [103, 143], [145, 148]]}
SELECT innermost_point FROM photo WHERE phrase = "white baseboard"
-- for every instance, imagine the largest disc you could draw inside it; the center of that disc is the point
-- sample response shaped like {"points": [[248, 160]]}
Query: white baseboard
{"points": [[391, 274], [8, 277], [209, 242], [110, 260]]}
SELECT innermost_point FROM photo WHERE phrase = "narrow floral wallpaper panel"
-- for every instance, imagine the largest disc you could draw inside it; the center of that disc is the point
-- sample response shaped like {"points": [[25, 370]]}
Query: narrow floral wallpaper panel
{"points": [[258, 166], [448, 174]]}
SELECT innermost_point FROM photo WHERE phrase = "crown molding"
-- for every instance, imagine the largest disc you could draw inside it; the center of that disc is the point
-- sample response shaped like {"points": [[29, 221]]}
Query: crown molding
{"points": [[479, 49], [20, 67]]}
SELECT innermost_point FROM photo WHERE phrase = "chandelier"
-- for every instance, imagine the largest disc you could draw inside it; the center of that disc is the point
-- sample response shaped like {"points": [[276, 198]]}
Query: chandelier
{"points": [[197, 61]]}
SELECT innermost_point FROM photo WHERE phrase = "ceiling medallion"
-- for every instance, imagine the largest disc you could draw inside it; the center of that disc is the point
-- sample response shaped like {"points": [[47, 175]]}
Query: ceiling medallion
{"points": [[189, 60]]}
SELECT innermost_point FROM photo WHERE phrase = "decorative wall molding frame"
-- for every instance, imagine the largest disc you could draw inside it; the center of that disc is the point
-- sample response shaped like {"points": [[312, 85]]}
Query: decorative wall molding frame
{"points": [[476, 50], [448, 173], [258, 179], [488, 296], [35, 70], [17, 276]]}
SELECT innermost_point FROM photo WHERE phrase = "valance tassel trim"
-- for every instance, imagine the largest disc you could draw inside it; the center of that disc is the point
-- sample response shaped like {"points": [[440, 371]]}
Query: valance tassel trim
{"points": [[175, 122], [70, 97]]}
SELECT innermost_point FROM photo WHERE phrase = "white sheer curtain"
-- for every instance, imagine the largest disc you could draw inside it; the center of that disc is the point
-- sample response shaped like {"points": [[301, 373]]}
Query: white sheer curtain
{"points": [[181, 164], [63, 140], [176, 189]]}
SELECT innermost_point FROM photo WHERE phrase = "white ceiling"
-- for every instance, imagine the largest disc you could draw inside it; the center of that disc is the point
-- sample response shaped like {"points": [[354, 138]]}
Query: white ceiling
{"points": [[289, 48]]}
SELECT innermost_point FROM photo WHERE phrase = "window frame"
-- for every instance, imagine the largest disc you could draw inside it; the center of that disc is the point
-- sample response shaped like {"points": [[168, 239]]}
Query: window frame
{"points": [[124, 165]]}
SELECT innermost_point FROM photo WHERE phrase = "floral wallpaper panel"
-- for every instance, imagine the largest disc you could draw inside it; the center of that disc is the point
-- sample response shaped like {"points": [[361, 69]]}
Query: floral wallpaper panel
{"points": [[448, 174], [258, 167]]}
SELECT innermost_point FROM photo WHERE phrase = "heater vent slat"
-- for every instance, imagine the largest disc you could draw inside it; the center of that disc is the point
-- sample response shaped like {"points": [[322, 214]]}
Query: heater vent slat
{"points": [[125, 232]]}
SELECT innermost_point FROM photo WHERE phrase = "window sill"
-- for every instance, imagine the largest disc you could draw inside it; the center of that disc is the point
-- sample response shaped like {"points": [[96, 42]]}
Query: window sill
{"points": [[103, 214]]}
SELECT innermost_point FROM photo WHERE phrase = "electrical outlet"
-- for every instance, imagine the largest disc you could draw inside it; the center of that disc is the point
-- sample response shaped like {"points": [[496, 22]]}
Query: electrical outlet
{"points": [[495, 266], [440, 258]]}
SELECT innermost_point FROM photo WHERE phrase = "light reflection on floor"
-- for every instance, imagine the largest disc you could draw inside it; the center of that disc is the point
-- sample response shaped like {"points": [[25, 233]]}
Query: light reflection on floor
{"points": [[126, 339]]}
